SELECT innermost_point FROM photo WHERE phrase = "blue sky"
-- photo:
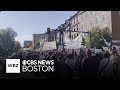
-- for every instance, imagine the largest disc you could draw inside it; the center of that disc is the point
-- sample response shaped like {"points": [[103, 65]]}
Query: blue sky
{"points": [[26, 23]]}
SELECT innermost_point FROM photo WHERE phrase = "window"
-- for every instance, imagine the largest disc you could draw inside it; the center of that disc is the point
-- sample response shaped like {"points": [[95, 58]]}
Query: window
{"points": [[74, 28], [74, 36], [77, 27], [77, 18], [97, 20], [82, 27], [82, 17], [87, 24], [71, 36], [77, 34], [74, 20], [104, 17], [86, 14], [91, 23]]}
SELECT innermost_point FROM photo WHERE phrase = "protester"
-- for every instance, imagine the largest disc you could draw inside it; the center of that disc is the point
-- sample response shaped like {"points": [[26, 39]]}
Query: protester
{"points": [[86, 65], [62, 70], [41, 56], [35, 56], [115, 58], [89, 67], [71, 61], [29, 56]]}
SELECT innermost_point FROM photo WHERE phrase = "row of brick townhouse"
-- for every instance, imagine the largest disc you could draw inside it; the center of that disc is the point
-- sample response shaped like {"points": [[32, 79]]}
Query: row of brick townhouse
{"points": [[85, 20]]}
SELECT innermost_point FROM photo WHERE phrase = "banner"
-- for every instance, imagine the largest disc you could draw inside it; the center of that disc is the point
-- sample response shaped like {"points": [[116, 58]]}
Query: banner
{"points": [[98, 50], [48, 45], [73, 44], [27, 49], [105, 48], [60, 48], [107, 43]]}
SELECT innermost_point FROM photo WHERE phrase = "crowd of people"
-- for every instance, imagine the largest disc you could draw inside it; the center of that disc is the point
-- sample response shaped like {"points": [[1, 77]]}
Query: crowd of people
{"points": [[85, 65]]}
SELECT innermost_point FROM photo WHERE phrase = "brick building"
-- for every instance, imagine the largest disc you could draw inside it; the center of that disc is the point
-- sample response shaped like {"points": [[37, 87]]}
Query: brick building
{"points": [[85, 20]]}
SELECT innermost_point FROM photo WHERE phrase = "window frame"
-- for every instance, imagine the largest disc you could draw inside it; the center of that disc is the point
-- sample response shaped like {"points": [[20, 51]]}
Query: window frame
{"points": [[74, 28], [74, 20], [81, 16], [104, 17], [97, 21], [91, 23], [86, 14], [77, 27]]}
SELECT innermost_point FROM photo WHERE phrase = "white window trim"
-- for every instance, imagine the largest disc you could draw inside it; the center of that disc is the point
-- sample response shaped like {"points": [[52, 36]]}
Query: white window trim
{"points": [[74, 28], [87, 24], [86, 16], [105, 17], [82, 27], [74, 21], [98, 20], [78, 18], [81, 17], [91, 23], [78, 27]]}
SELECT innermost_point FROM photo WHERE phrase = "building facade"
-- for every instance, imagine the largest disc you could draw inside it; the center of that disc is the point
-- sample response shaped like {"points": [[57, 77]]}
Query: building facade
{"points": [[27, 43], [36, 37], [115, 27], [50, 35], [85, 20]]}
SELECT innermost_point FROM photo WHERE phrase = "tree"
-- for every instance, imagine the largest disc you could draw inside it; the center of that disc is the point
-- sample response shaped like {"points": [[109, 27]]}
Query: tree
{"points": [[96, 37], [11, 32], [7, 41], [17, 46]]}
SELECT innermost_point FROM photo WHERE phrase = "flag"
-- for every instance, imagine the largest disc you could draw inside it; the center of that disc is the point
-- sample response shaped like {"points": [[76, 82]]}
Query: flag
{"points": [[32, 46], [107, 43]]}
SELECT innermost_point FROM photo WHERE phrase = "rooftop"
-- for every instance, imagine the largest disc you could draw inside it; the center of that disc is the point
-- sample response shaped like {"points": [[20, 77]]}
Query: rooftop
{"points": [[78, 12]]}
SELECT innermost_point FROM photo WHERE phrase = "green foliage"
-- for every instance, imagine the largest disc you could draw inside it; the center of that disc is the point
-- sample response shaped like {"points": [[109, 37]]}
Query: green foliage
{"points": [[8, 45], [17, 46], [96, 37]]}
